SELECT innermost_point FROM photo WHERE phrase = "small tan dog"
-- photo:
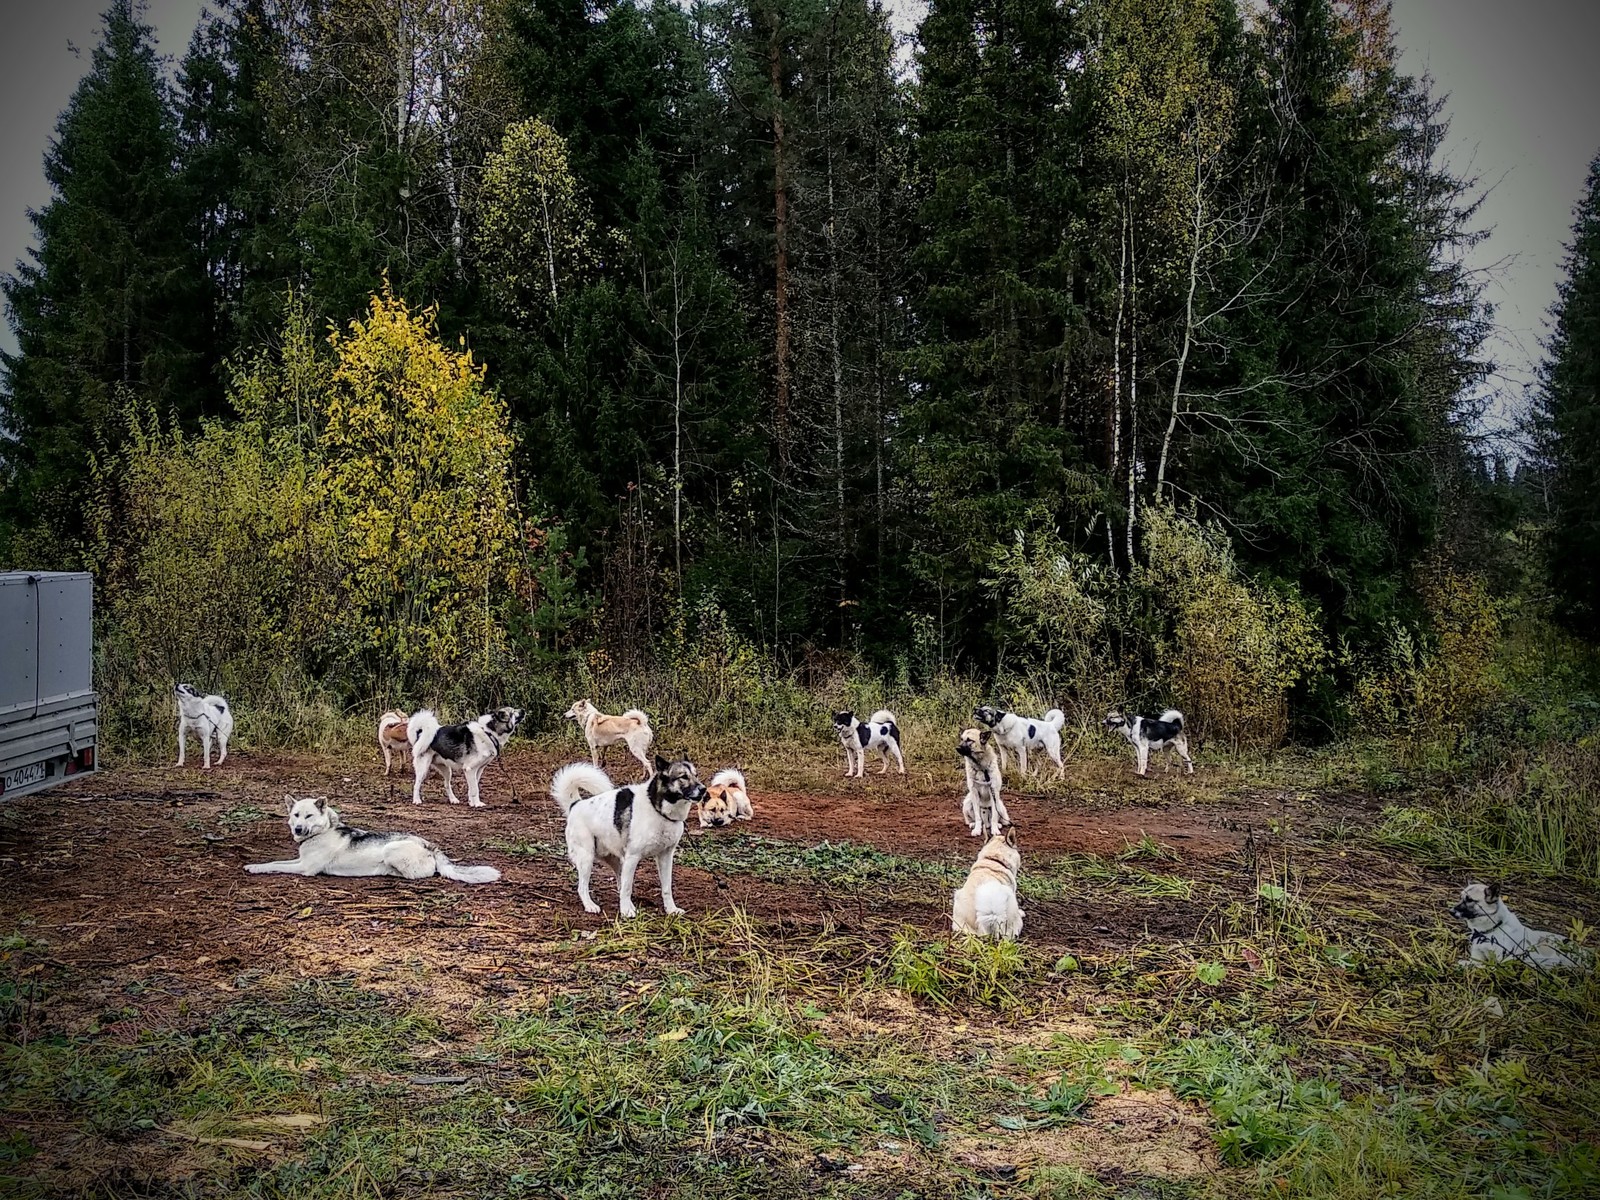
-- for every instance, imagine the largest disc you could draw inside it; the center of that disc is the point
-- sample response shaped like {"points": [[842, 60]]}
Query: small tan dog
{"points": [[726, 800], [392, 736], [980, 755], [632, 729], [986, 904]]}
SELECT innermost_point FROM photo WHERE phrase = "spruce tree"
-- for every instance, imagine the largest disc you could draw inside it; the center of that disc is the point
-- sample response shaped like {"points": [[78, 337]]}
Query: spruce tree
{"points": [[112, 305], [1569, 404]]}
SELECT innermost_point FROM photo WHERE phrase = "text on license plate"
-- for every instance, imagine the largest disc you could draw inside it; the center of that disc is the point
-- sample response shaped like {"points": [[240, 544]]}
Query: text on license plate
{"points": [[21, 777]]}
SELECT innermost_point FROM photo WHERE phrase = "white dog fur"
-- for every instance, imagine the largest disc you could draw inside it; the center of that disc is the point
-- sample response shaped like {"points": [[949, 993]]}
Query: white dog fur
{"points": [[623, 826], [880, 732], [330, 847], [986, 904], [205, 715], [1144, 734], [981, 760], [631, 728], [471, 747], [1495, 934]]}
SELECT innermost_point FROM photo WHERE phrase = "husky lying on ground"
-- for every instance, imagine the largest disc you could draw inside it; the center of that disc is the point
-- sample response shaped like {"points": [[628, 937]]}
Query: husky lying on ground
{"points": [[470, 747], [986, 904], [1020, 734], [330, 847], [632, 729], [879, 732], [982, 805], [392, 736], [1153, 733], [726, 800], [1496, 933], [205, 715], [622, 826]]}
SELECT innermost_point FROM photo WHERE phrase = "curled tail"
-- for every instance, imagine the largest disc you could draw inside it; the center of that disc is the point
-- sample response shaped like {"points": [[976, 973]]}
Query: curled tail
{"points": [[577, 780], [1174, 716], [729, 776], [639, 715], [390, 721], [463, 874], [421, 728], [884, 717], [1055, 719]]}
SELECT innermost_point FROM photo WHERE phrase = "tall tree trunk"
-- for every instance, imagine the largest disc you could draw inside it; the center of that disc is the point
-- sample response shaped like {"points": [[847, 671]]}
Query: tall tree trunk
{"points": [[1133, 388], [1188, 326], [780, 230], [1116, 377], [837, 362]]}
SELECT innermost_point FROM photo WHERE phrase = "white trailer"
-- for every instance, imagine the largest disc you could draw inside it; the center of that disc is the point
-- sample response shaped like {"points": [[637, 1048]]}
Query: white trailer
{"points": [[49, 713]]}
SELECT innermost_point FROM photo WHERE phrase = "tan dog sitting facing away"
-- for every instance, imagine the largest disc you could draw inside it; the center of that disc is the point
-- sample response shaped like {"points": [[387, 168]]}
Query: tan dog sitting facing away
{"points": [[986, 904]]}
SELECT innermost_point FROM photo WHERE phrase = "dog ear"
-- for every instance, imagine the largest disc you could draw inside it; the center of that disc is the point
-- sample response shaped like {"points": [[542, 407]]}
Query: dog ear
{"points": [[661, 765], [983, 738], [322, 803], [1010, 832], [1491, 892], [288, 803]]}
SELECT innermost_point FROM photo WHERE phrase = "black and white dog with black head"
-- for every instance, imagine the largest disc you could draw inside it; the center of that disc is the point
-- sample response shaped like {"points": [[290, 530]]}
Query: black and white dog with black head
{"points": [[1020, 734], [1495, 933], [1153, 733], [206, 715], [623, 826], [878, 732], [469, 747]]}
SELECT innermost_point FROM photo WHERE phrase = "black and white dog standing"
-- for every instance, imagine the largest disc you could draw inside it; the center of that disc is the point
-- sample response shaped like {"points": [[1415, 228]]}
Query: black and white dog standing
{"points": [[205, 715], [1153, 733], [330, 847], [1020, 734], [878, 732], [469, 747], [623, 826]]}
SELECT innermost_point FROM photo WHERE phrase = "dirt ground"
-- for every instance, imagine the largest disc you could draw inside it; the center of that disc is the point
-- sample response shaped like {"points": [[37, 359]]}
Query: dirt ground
{"points": [[139, 871]]}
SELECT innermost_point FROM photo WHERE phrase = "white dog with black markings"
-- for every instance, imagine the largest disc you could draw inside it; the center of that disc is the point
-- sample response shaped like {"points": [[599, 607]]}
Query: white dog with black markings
{"points": [[623, 826], [880, 732], [1495, 934], [206, 715], [469, 747], [1020, 734], [986, 904], [982, 804], [1145, 734], [330, 847]]}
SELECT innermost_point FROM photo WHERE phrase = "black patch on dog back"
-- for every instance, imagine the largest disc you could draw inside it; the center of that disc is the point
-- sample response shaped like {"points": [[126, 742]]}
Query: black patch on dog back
{"points": [[863, 733], [894, 732], [357, 836], [452, 742], [622, 808], [1154, 731], [1033, 731]]}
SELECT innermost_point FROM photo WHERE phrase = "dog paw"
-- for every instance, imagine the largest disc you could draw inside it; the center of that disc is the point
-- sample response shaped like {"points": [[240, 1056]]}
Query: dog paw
{"points": [[675, 911], [628, 913], [589, 906], [474, 803], [254, 868]]}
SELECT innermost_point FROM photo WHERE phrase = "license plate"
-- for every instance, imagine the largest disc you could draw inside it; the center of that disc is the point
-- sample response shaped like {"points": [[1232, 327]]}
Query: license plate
{"points": [[21, 777]]}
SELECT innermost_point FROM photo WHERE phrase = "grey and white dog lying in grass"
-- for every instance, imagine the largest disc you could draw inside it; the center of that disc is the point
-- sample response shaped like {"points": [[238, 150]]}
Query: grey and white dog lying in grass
{"points": [[1496, 934], [330, 847]]}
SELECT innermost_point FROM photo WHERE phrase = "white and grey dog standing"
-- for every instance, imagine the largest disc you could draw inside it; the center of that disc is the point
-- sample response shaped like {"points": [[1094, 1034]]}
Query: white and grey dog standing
{"points": [[878, 732], [469, 747], [1165, 732], [1020, 734], [205, 715], [330, 847], [623, 826], [1496, 934]]}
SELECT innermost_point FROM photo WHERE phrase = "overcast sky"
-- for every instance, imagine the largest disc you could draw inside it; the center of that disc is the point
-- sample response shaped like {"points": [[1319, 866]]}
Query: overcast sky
{"points": [[1524, 103]]}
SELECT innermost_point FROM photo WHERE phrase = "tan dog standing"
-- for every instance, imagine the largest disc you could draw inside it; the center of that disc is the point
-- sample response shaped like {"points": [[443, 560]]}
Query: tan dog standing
{"points": [[726, 800], [986, 904], [980, 756], [632, 729], [392, 736]]}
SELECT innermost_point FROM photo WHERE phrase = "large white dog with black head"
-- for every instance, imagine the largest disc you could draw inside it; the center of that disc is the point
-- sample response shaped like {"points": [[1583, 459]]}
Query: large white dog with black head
{"points": [[1020, 734], [206, 715], [330, 847], [623, 826]]}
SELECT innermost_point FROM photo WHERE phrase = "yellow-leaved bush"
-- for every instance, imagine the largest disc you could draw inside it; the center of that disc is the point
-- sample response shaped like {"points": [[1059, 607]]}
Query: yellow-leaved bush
{"points": [[355, 524], [1236, 646]]}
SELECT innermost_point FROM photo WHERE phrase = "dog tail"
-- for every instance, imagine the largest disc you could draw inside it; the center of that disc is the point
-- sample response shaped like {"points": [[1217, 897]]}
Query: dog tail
{"points": [[389, 720], [729, 776], [1174, 716], [421, 728], [463, 874], [995, 908], [639, 715], [577, 780], [884, 717], [1055, 719]]}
